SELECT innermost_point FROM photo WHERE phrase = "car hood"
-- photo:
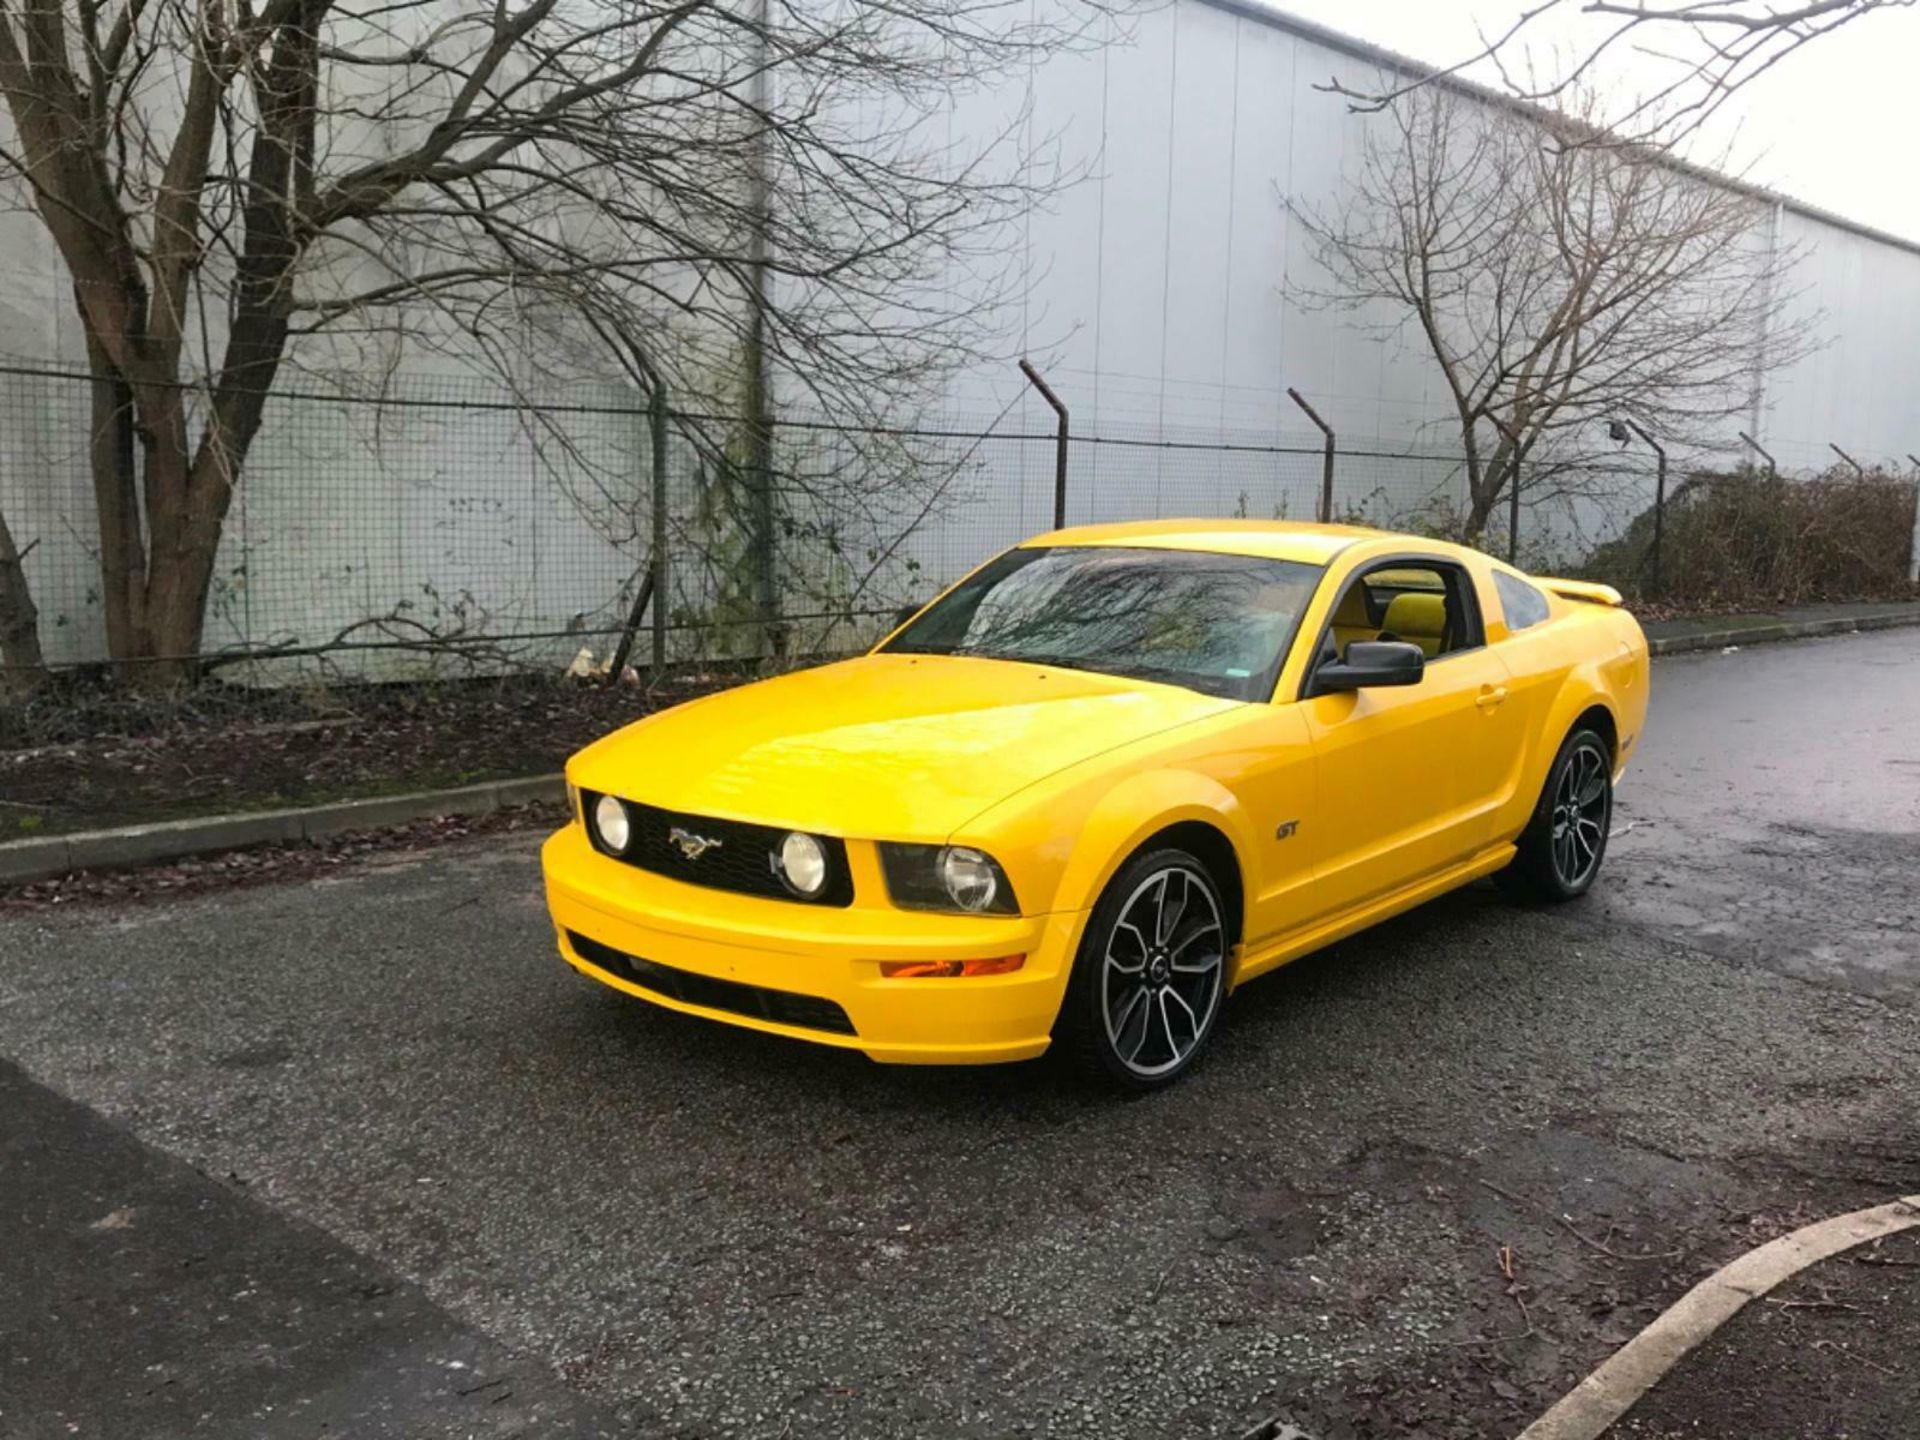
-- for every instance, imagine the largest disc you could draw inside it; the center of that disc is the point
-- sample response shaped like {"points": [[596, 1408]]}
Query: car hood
{"points": [[882, 747]]}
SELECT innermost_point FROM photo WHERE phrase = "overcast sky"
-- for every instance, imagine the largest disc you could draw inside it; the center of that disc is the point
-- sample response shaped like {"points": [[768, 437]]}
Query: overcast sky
{"points": [[1833, 125]]}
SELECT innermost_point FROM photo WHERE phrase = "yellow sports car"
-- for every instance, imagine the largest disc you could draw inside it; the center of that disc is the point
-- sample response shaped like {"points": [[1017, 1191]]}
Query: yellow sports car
{"points": [[1107, 778]]}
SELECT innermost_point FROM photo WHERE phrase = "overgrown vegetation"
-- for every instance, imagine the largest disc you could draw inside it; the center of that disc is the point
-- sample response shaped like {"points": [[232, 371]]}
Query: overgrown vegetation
{"points": [[84, 753], [1749, 538]]}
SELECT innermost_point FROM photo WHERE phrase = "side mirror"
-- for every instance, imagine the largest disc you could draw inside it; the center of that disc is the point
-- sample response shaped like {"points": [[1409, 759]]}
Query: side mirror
{"points": [[1368, 663]]}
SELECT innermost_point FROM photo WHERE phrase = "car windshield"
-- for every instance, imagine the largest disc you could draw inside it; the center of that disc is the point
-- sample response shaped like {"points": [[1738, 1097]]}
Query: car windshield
{"points": [[1214, 623]]}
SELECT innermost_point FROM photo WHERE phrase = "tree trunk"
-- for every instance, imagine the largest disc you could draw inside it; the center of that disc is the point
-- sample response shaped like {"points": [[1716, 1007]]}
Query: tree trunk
{"points": [[24, 667], [189, 489], [123, 548], [181, 575], [185, 532], [179, 562], [1480, 510], [176, 618], [1487, 482]]}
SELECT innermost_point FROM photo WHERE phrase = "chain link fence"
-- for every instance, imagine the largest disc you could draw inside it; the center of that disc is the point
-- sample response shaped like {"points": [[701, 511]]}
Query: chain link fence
{"points": [[445, 525]]}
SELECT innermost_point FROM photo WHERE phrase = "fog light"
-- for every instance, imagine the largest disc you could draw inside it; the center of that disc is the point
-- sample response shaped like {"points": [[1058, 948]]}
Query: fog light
{"points": [[802, 863], [949, 969]]}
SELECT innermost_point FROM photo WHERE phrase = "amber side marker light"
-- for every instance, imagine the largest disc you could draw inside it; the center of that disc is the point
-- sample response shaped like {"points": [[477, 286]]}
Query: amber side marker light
{"points": [[950, 969]]}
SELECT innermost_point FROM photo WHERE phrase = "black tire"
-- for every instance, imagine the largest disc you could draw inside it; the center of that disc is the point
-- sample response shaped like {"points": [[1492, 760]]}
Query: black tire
{"points": [[1143, 1043], [1560, 851]]}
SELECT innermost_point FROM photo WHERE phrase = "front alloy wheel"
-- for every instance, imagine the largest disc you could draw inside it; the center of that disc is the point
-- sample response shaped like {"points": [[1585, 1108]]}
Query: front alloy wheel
{"points": [[1147, 986]]}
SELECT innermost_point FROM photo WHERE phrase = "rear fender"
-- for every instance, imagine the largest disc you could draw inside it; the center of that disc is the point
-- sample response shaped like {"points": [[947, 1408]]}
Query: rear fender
{"points": [[1586, 687]]}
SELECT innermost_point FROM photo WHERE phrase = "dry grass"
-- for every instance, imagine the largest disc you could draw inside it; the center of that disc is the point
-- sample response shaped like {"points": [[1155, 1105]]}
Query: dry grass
{"points": [[1756, 540]]}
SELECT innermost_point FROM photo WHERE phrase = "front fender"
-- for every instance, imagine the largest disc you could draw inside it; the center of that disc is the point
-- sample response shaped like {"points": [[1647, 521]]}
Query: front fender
{"points": [[1072, 841], [1134, 811]]}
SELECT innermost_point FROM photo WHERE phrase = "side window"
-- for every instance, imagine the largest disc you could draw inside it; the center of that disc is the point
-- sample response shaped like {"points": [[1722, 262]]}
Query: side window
{"points": [[1424, 605], [1519, 602]]}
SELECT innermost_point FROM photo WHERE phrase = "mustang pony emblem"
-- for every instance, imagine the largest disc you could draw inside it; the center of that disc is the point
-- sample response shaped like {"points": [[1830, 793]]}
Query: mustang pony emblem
{"points": [[691, 845]]}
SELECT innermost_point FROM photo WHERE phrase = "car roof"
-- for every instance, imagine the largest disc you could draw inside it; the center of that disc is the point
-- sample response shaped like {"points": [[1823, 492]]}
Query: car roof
{"points": [[1296, 540]]}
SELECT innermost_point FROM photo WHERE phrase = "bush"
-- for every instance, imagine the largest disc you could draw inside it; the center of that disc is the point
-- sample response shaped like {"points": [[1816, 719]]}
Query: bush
{"points": [[1750, 538]]}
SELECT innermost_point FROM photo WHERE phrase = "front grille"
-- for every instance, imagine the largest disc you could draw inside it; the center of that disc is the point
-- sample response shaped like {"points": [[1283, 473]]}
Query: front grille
{"points": [[742, 862], [808, 1012]]}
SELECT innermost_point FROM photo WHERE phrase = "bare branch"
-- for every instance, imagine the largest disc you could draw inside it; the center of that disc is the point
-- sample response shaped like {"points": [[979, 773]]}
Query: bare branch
{"points": [[1554, 287], [753, 197], [1718, 47]]}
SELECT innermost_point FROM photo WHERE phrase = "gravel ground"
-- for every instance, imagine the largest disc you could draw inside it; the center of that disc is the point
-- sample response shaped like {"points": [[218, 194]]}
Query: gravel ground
{"points": [[1426, 1181]]}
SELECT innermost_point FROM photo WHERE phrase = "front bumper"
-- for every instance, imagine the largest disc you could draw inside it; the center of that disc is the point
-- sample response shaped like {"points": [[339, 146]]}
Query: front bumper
{"points": [[762, 950]]}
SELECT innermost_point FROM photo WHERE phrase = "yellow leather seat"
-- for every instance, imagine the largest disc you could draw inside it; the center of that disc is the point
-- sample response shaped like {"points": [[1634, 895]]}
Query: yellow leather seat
{"points": [[1351, 621], [1420, 619]]}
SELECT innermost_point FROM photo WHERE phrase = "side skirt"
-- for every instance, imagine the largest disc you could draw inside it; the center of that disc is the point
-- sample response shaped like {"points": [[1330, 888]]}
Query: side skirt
{"points": [[1304, 942]]}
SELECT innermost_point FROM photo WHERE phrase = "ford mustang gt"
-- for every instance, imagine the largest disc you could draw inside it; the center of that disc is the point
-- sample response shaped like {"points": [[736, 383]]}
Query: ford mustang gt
{"points": [[1103, 781]]}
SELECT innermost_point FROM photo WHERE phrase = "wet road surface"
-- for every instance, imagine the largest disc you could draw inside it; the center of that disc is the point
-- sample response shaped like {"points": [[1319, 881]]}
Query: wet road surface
{"points": [[1774, 815], [1426, 1180]]}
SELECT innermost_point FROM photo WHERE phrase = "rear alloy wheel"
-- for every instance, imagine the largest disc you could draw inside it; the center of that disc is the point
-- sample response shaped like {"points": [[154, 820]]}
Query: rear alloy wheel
{"points": [[1151, 973], [1560, 851]]}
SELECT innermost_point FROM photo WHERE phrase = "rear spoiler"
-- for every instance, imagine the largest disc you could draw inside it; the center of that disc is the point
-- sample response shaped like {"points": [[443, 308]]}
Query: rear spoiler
{"points": [[1587, 590]]}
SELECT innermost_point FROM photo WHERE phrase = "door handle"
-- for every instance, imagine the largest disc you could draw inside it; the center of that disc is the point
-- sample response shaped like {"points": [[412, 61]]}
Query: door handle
{"points": [[1490, 696]]}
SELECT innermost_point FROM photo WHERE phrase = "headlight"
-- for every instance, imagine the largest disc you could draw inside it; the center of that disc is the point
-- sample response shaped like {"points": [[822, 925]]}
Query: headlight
{"points": [[946, 877], [610, 824], [972, 880], [802, 863]]}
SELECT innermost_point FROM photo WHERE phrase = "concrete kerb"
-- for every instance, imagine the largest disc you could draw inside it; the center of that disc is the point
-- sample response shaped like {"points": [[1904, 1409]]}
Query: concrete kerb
{"points": [[1785, 630], [22, 861], [1593, 1406]]}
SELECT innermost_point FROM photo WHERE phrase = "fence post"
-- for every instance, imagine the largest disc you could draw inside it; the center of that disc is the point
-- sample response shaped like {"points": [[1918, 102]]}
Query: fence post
{"points": [[1659, 499], [617, 666], [1858, 468], [1773, 470], [1059, 443], [657, 418], [1913, 551], [1326, 459], [762, 522], [653, 585], [763, 543]]}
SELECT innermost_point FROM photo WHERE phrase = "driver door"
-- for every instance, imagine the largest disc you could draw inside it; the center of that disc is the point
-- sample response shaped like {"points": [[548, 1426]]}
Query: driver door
{"points": [[1407, 777]]}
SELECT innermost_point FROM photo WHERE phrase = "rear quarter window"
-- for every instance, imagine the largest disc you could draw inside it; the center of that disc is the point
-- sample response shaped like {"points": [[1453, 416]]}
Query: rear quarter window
{"points": [[1520, 603]]}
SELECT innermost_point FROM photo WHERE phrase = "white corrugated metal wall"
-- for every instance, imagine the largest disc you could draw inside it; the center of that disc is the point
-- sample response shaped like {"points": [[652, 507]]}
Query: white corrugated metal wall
{"points": [[1165, 281], [1161, 296]]}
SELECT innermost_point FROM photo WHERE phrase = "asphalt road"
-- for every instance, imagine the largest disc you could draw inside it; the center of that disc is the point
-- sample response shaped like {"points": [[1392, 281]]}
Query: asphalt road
{"points": [[372, 1142], [1774, 816]]}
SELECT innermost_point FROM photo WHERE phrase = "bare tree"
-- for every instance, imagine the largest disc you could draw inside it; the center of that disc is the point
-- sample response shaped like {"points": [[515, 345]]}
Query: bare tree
{"points": [[1553, 286], [732, 190], [1714, 48], [21, 663]]}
